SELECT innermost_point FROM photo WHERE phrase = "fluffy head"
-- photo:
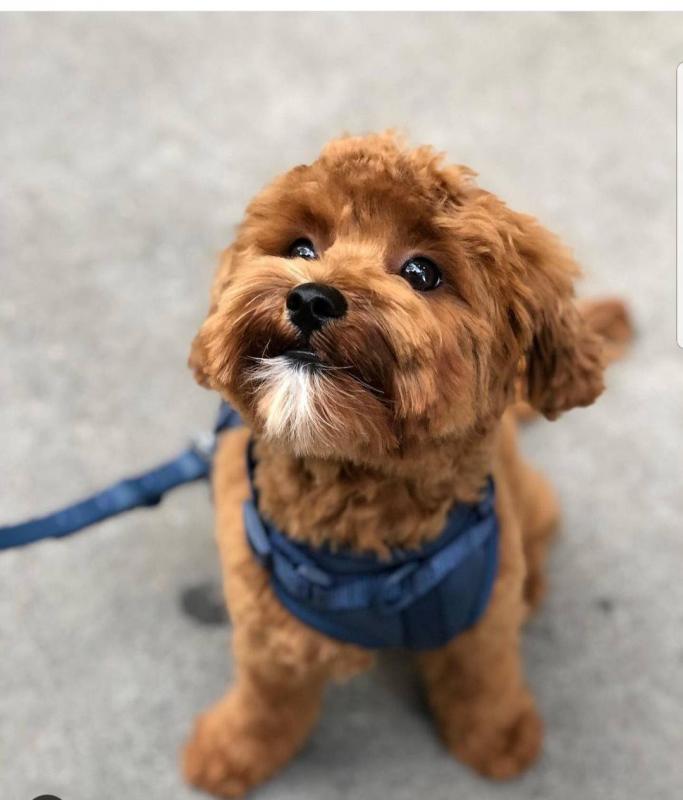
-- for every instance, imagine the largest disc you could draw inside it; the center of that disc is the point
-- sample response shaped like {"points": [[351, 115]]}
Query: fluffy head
{"points": [[401, 366]]}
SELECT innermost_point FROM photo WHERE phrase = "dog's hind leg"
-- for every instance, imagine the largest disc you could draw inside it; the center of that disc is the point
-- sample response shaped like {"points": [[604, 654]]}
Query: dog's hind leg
{"points": [[539, 515], [281, 665], [609, 317], [536, 507]]}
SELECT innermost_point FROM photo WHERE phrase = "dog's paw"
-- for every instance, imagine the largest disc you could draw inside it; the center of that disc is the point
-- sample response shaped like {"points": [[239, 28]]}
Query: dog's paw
{"points": [[499, 751], [210, 761]]}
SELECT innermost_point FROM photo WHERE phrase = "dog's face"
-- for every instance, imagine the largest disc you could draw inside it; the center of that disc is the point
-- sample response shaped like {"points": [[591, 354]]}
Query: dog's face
{"points": [[377, 298]]}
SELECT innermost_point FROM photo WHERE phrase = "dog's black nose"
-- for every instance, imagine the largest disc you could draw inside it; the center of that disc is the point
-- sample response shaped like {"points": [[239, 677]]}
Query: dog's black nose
{"points": [[311, 305]]}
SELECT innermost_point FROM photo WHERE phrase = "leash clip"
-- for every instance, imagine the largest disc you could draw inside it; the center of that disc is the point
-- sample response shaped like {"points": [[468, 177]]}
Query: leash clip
{"points": [[204, 445]]}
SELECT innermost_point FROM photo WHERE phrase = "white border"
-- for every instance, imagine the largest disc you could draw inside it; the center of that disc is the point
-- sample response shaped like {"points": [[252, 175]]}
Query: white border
{"points": [[679, 204], [344, 5]]}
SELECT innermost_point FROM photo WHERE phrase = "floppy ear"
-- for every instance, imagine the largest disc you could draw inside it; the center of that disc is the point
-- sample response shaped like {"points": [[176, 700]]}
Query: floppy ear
{"points": [[197, 360], [563, 355], [564, 364]]}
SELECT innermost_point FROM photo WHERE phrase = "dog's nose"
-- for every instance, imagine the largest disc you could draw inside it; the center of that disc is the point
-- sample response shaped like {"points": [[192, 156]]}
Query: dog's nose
{"points": [[311, 305]]}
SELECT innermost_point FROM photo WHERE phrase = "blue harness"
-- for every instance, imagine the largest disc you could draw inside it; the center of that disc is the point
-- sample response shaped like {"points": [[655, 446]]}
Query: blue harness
{"points": [[417, 599]]}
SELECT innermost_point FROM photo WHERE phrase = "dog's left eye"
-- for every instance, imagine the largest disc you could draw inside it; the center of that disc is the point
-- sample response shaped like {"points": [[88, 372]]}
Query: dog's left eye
{"points": [[421, 273], [302, 248]]}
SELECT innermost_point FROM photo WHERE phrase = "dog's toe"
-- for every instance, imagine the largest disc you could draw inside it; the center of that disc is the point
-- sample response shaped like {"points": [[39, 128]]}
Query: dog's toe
{"points": [[207, 764], [501, 752]]}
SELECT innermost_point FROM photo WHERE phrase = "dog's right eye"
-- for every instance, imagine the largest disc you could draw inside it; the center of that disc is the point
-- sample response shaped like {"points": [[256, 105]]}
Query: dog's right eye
{"points": [[302, 248]]}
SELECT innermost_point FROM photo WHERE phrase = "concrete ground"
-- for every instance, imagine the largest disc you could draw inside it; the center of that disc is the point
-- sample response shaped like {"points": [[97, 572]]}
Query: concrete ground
{"points": [[129, 146]]}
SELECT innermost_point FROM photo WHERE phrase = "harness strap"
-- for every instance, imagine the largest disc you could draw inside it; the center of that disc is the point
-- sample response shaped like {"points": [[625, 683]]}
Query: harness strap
{"points": [[146, 489], [389, 591]]}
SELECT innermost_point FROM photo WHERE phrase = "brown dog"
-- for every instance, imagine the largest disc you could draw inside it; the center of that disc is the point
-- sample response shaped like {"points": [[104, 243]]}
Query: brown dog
{"points": [[431, 302]]}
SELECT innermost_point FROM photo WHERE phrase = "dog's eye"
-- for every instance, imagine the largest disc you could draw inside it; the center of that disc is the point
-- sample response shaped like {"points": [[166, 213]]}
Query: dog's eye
{"points": [[302, 248], [421, 273]]}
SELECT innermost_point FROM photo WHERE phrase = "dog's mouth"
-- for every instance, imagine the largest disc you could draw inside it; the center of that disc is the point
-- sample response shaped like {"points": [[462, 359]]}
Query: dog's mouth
{"points": [[310, 360], [316, 394], [304, 358]]}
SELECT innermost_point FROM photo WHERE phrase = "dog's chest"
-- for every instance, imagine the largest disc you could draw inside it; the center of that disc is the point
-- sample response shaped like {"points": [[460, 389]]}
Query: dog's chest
{"points": [[322, 503]]}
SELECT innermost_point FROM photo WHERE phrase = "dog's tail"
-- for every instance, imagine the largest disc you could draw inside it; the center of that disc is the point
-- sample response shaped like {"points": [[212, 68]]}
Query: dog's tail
{"points": [[610, 318]]}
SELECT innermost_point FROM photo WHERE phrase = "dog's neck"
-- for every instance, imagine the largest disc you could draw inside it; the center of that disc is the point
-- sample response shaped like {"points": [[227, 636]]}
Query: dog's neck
{"points": [[401, 502]]}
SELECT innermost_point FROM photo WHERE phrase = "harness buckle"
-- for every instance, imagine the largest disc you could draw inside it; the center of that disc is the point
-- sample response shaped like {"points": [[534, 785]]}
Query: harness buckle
{"points": [[395, 593], [314, 575]]}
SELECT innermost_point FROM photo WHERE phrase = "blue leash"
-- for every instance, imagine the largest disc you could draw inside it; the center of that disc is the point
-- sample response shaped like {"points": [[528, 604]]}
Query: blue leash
{"points": [[147, 489], [419, 599]]}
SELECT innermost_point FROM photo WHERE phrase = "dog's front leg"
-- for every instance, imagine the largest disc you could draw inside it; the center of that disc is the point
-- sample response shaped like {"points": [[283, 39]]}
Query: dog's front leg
{"points": [[475, 684], [252, 732], [281, 664], [485, 714], [263, 721]]}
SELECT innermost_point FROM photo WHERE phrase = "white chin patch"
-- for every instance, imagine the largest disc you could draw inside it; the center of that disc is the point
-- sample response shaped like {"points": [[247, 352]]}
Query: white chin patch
{"points": [[290, 397]]}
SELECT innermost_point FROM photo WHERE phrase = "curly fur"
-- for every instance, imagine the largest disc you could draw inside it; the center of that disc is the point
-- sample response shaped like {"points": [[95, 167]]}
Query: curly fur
{"points": [[407, 417]]}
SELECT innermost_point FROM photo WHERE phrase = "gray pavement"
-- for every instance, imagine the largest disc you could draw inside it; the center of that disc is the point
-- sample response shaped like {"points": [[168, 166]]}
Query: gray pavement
{"points": [[129, 146]]}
